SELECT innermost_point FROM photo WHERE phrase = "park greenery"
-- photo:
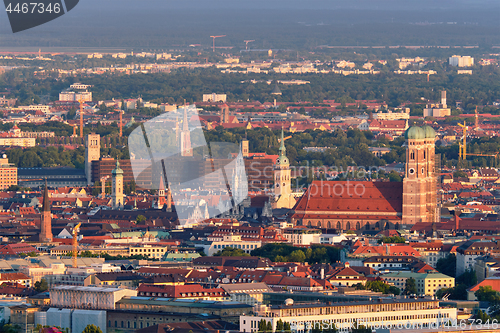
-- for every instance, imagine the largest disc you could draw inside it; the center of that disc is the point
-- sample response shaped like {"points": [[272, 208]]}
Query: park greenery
{"points": [[392, 240], [41, 286], [231, 252], [281, 252], [462, 283], [345, 149], [378, 286]]}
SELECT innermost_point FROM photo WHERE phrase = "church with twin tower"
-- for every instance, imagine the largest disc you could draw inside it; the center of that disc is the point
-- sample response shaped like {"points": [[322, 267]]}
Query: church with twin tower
{"points": [[374, 205]]}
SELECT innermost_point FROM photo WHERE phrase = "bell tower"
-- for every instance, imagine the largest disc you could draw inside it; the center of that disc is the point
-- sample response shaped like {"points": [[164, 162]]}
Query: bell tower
{"points": [[46, 223], [420, 182], [117, 187], [282, 179]]}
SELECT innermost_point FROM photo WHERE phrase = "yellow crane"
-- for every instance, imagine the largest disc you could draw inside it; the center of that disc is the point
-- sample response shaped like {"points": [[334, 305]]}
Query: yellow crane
{"points": [[76, 229], [462, 153], [103, 186], [81, 117]]}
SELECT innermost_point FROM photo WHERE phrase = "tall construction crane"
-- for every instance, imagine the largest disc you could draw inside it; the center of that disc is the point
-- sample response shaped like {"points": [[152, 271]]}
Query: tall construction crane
{"points": [[121, 123], [81, 117], [476, 120], [284, 139], [213, 37], [463, 145], [246, 43], [76, 230], [462, 153], [103, 186]]}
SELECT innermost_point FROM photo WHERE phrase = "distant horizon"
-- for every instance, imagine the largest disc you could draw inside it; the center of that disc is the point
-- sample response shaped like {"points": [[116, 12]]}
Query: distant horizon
{"points": [[272, 24]]}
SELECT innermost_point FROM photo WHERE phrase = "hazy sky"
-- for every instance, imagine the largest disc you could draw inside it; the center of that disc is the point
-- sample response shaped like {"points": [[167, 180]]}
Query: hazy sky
{"points": [[192, 21]]}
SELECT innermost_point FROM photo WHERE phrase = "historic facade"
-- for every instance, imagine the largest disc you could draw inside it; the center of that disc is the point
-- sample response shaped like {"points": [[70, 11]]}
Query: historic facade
{"points": [[283, 197], [46, 223], [375, 205], [420, 181], [117, 187]]}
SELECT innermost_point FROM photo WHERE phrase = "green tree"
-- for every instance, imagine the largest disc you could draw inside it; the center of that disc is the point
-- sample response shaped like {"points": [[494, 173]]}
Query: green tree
{"points": [[287, 327], [140, 219], [231, 252], [360, 329], [482, 316], [448, 265], [468, 278], [280, 326], [410, 287], [394, 177], [393, 239], [262, 325], [486, 293], [41, 286], [91, 328], [297, 256]]}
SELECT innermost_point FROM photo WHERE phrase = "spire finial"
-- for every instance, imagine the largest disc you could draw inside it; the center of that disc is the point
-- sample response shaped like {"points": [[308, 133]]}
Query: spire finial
{"points": [[282, 146]]}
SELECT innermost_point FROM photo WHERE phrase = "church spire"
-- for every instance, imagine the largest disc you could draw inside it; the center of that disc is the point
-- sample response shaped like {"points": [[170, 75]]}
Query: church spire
{"points": [[46, 201], [282, 144]]}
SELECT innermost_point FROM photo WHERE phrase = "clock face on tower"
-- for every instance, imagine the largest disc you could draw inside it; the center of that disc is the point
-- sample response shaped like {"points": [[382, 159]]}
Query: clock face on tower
{"points": [[411, 171]]}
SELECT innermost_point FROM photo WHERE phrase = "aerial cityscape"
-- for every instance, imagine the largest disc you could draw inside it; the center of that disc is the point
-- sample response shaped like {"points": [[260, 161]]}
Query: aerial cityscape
{"points": [[265, 166]]}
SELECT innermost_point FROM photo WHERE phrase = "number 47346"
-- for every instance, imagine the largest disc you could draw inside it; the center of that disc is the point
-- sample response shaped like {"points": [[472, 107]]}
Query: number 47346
{"points": [[34, 7]]}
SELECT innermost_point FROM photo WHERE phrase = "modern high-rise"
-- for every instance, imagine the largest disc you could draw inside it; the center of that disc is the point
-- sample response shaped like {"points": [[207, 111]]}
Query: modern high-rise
{"points": [[92, 153], [461, 61], [8, 173]]}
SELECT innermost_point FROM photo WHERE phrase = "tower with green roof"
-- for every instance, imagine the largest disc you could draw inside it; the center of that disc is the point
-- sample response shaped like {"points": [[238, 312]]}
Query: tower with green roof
{"points": [[282, 178], [420, 181], [117, 186]]}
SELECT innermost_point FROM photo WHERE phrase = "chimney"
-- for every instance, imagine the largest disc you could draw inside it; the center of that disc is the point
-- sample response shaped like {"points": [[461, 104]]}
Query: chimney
{"points": [[457, 219], [387, 249], [367, 242], [443, 98], [322, 273], [347, 265]]}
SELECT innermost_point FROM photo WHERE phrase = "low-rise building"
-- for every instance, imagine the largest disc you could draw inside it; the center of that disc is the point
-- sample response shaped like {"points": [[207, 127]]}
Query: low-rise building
{"points": [[187, 291], [89, 297], [233, 241], [426, 283], [148, 250], [304, 317], [248, 293], [301, 235]]}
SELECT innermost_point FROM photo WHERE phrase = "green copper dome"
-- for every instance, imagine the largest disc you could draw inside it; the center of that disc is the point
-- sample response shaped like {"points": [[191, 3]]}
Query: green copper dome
{"points": [[117, 170], [429, 132], [414, 133]]}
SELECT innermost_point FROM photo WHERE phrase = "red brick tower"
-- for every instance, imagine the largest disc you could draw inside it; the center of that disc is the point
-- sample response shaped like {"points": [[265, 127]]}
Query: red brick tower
{"points": [[46, 224], [420, 183]]}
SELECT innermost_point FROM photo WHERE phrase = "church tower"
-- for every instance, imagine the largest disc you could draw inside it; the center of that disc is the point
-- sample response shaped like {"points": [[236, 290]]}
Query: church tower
{"points": [[282, 179], [185, 144], [161, 194], [420, 181], [46, 223], [224, 114], [117, 187], [92, 153], [244, 147]]}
